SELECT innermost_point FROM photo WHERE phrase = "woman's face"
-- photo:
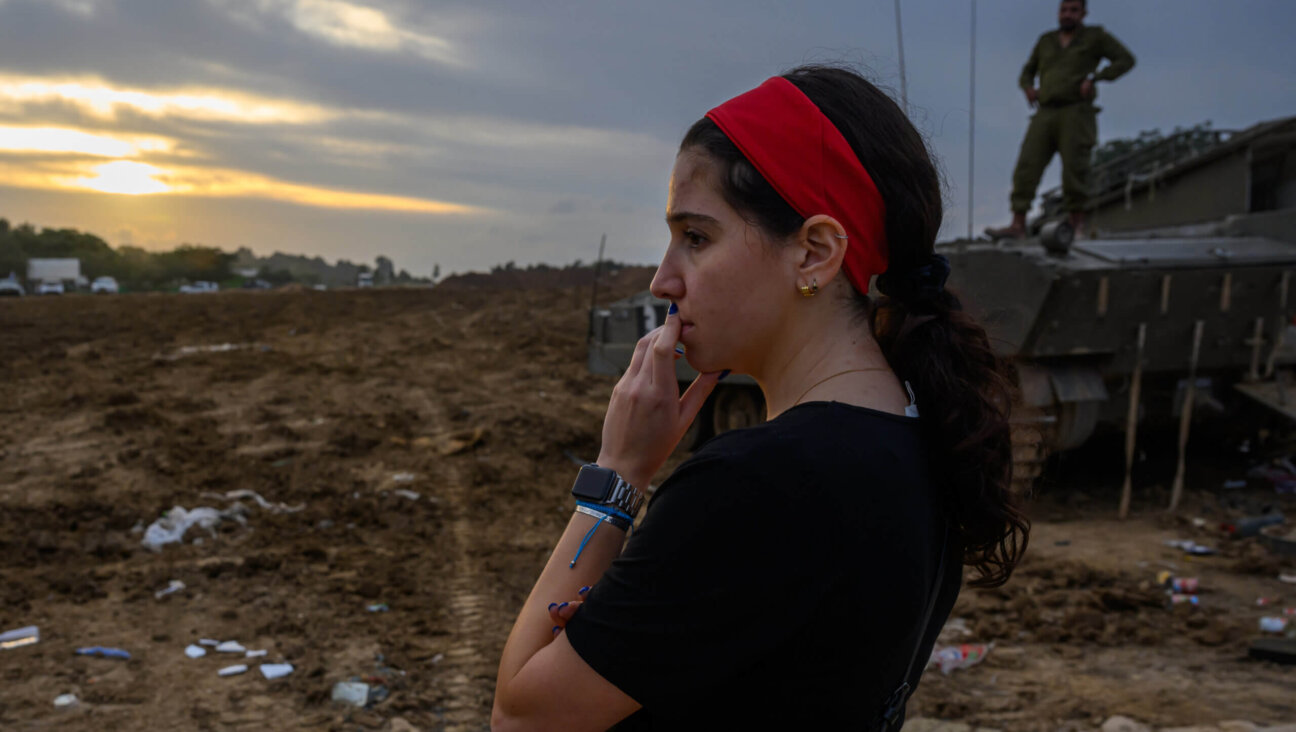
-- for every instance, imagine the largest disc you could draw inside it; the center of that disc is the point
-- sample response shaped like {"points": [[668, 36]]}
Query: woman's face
{"points": [[731, 287]]}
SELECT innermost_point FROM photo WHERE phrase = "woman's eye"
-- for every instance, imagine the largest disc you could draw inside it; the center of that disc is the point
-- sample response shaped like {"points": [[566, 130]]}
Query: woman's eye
{"points": [[694, 238]]}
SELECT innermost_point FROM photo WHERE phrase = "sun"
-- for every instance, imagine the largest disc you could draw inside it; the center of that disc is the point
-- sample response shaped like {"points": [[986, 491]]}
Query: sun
{"points": [[125, 177]]}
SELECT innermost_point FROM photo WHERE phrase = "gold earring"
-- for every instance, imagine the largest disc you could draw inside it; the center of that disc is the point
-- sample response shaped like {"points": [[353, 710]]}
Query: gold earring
{"points": [[811, 289]]}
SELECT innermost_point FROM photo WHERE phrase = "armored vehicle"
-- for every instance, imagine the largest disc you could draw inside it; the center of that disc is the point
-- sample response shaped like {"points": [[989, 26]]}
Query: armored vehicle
{"points": [[1186, 286]]}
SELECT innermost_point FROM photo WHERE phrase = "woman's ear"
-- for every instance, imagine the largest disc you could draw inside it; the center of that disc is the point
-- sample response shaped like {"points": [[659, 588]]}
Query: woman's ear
{"points": [[821, 247]]}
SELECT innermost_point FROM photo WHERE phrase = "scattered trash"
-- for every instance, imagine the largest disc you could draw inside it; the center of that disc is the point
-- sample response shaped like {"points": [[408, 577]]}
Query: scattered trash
{"points": [[19, 637], [351, 692], [404, 478], [208, 642], [62, 701], [1281, 473], [263, 503], [1199, 522], [1190, 547], [193, 651], [380, 607], [412, 495], [175, 586], [173, 524], [1232, 485], [1263, 601], [276, 670], [1251, 525], [234, 670], [180, 353], [1273, 624], [1288, 578], [965, 655], [230, 647], [255, 654], [438, 658], [104, 652], [1181, 585], [1181, 599]]}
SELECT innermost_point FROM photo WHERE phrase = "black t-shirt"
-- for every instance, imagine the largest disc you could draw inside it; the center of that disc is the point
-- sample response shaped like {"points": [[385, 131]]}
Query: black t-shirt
{"points": [[778, 578]]}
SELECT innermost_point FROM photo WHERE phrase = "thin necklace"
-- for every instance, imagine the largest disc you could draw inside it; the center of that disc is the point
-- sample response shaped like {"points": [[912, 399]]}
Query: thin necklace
{"points": [[839, 373]]}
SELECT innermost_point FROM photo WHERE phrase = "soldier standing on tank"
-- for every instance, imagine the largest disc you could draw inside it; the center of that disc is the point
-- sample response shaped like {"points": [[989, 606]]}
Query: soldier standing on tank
{"points": [[1066, 62]]}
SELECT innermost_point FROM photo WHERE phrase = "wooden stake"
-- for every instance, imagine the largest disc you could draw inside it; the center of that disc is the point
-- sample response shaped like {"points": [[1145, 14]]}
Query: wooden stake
{"points": [[1131, 420], [1185, 419]]}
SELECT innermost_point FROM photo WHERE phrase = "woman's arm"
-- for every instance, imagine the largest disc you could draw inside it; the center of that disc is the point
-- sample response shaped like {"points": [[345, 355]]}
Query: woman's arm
{"points": [[542, 682]]}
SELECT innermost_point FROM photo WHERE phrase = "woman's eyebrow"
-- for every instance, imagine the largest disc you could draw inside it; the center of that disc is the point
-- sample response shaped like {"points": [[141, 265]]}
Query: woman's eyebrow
{"points": [[681, 216]]}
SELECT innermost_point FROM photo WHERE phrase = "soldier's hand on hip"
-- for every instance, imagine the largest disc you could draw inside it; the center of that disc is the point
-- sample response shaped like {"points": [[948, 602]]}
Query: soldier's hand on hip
{"points": [[1087, 89], [1032, 97]]}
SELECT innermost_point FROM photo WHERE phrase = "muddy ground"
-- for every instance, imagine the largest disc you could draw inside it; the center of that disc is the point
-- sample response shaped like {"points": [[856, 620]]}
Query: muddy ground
{"points": [[476, 399]]}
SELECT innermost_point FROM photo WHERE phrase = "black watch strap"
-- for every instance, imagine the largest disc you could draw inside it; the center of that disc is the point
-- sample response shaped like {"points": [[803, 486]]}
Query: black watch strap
{"points": [[625, 497]]}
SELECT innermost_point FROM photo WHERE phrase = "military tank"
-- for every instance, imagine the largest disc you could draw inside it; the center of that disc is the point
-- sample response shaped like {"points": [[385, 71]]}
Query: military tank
{"points": [[1185, 286]]}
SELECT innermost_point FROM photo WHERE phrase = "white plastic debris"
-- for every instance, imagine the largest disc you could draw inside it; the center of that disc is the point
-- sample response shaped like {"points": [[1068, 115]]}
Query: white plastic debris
{"points": [[174, 586], [351, 692], [1273, 624], [193, 651], [276, 670], [62, 701], [256, 654], [234, 670], [263, 503], [403, 478], [208, 642], [404, 493], [171, 527], [230, 647], [19, 637], [965, 655]]}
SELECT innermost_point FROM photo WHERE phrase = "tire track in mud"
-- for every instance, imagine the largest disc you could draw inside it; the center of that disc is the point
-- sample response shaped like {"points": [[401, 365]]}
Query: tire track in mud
{"points": [[468, 669]]}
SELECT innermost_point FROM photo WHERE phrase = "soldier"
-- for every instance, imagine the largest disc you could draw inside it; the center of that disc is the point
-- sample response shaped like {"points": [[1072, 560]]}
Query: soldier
{"points": [[1066, 61]]}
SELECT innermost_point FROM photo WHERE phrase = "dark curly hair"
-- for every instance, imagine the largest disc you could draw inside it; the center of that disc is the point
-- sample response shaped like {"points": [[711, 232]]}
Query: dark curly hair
{"points": [[933, 344]]}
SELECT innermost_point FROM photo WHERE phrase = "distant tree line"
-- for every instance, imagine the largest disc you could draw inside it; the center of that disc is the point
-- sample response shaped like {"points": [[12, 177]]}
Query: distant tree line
{"points": [[137, 270], [133, 267]]}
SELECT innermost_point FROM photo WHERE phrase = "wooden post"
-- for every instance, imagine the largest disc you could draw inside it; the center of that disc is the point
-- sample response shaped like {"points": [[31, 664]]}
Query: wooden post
{"points": [[1185, 419], [1131, 419]]}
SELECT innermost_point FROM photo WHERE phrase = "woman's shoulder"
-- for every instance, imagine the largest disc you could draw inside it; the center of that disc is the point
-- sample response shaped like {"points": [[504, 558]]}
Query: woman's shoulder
{"points": [[812, 442]]}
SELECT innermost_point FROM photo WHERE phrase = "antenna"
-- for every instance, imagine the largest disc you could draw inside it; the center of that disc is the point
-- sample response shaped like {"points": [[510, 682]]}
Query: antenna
{"points": [[904, 85], [971, 124]]}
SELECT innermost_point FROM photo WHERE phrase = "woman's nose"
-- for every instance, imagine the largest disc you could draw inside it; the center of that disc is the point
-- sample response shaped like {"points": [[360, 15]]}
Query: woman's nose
{"points": [[666, 283]]}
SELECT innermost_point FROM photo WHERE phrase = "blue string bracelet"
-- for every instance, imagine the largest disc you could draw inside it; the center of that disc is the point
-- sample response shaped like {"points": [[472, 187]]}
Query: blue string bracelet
{"points": [[603, 514]]}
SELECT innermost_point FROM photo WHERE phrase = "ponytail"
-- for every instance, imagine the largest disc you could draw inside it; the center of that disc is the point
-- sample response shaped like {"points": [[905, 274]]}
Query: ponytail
{"points": [[964, 396]]}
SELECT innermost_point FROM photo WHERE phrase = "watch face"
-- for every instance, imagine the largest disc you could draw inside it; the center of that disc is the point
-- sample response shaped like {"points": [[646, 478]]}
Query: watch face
{"points": [[593, 484]]}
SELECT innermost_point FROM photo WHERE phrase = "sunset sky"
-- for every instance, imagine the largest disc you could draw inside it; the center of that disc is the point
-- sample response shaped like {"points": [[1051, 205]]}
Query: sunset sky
{"points": [[471, 133]]}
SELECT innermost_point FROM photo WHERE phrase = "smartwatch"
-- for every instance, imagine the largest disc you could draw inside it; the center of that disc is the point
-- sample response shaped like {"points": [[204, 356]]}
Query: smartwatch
{"points": [[602, 486]]}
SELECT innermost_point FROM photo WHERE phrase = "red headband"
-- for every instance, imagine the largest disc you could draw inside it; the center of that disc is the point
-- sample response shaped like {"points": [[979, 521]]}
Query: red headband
{"points": [[799, 151]]}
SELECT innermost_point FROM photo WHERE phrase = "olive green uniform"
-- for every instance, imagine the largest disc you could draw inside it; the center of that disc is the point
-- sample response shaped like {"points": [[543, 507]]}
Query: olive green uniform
{"points": [[1065, 122]]}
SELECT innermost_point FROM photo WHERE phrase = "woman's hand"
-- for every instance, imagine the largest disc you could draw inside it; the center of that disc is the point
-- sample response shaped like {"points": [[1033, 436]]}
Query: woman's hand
{"points": [[647, 416], [560, 613]]}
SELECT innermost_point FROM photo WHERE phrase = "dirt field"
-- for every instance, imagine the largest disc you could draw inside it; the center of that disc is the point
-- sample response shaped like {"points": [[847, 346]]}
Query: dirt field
{"points": [[475, 399]]}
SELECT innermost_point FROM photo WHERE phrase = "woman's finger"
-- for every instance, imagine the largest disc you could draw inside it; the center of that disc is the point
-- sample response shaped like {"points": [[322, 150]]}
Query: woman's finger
{"points": [[663, 350]]}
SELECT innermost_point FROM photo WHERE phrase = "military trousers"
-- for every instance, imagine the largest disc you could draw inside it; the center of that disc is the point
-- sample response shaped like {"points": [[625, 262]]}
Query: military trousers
{"points": [[1070, 130]]}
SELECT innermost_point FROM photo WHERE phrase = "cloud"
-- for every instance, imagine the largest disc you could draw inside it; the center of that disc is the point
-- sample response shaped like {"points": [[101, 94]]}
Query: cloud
{"points": [[67, 140], [101, 99], [347, 25], [132, 177]]}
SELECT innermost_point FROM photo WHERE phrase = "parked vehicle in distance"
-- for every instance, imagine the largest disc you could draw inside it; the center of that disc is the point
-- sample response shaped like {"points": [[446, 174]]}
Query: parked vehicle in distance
{"points": [[11, 287], [199, 287], [104, 286], [50, 288]]}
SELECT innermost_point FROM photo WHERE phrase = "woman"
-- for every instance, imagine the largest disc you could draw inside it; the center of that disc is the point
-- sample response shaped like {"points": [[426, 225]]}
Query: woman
{"points": [[792, 574]]}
